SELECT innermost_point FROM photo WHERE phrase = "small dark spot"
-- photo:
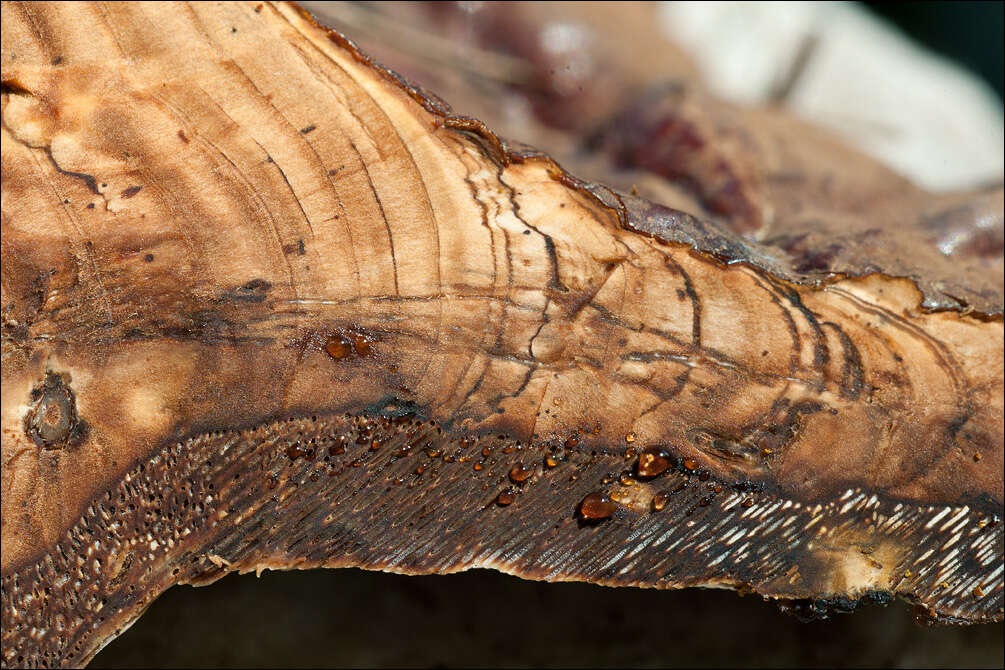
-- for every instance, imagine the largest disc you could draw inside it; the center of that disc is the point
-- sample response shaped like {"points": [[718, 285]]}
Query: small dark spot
{"points": [[258, 8], [90, 205], [183, 137], [878, 597], [130, 192], [57, 60], [254, 291], [304, 131], [66, 201], [233, 30], [526, 232], [52, 421], [299, 248], [149, 258]]}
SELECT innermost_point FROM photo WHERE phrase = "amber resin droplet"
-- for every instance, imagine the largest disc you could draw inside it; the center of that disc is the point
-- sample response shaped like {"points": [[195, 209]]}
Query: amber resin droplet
{"points": [[660, 500], [361, 344], [338, 448], [338, 347], [654, 461], [506, 497], [520, 473], [596, 506]]}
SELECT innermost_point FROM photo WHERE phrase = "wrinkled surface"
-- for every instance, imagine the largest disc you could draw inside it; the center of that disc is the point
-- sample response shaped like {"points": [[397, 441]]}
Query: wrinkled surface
{"points": [[609, 112], [267, 306]]}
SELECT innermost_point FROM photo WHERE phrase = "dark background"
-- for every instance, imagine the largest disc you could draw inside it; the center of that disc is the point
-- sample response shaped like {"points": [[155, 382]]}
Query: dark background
{"points": [[969, 33], [486, 619], [351, 618]]}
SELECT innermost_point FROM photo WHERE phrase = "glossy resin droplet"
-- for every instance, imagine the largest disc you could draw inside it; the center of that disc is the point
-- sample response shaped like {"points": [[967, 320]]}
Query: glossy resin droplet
{"points": [[653, 462], [338, 347], [506, 497], [596, 507], [520, 473]]}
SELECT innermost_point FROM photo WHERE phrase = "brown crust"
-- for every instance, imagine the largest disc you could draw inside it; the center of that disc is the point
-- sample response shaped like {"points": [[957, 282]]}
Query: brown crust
{"points": [[315, 491]]}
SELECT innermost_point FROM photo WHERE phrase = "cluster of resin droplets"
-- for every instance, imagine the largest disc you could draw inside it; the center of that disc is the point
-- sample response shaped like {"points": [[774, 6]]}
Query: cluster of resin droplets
{"points": [[379, 434]]}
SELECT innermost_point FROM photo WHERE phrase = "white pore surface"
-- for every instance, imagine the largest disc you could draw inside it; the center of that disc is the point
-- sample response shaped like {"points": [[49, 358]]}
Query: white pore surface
{"points": [[921, 115]]}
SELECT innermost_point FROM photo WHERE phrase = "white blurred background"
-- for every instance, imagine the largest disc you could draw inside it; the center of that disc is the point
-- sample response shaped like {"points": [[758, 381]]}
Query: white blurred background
{"points": [[839, 65]]}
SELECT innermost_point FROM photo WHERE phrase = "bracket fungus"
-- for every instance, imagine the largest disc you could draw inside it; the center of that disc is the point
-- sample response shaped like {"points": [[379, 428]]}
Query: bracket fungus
{"points": [[266, 305]]}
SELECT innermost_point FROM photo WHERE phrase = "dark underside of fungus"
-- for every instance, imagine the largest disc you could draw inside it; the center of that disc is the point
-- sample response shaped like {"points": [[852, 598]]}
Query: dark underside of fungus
{"points": [[268, 306]]}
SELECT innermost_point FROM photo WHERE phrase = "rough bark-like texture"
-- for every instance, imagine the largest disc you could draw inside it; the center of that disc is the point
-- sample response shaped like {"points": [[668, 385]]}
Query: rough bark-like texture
{"points": [[267, 306]]}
